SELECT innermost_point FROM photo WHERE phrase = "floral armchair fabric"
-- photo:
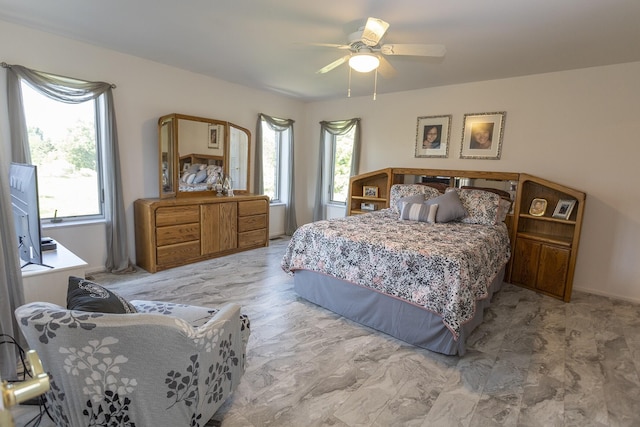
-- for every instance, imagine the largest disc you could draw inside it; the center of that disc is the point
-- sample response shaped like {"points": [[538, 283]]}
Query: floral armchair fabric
{"points": [[167, 365]]}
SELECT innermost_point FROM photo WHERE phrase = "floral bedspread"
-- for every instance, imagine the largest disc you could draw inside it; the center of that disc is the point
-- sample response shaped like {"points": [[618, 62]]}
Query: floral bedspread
{"points": [[443, 267]]}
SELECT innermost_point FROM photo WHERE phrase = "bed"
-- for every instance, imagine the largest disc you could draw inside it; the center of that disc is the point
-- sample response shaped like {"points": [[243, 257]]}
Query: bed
{"points": [[424, 279]]}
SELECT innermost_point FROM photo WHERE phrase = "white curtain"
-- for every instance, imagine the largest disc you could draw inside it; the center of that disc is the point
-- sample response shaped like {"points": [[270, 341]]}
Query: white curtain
{"points": [[278, 125], [73, 91], [339, 127]]}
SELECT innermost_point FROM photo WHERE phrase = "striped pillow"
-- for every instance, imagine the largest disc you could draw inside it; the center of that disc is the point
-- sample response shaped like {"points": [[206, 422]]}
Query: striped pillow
{"points": [[419, 212]]}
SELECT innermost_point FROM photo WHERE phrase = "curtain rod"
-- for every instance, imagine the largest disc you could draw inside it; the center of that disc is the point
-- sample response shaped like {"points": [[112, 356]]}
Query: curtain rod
{"points": [[5, 65]]}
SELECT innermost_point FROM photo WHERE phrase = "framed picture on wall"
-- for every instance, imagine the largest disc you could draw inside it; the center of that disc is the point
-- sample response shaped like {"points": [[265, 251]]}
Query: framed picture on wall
{"points": [[432, 136], [214, 136], [482, 135]]}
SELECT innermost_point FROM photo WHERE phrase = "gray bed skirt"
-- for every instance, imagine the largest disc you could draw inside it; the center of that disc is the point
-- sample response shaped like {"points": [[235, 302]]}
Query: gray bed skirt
{"points": [[405, 321]]}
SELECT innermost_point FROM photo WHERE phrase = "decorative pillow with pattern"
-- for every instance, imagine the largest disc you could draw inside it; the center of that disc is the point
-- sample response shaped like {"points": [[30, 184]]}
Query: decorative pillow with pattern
{"points": [[482, 206], [399, 191], [84, 295]]}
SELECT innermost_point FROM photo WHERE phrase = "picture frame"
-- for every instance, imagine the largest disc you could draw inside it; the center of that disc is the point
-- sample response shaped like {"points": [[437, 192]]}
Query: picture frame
{"points": [[538, 207], [564, 208], [432, 136], [369, 191], [482, 135], [215, 135]]}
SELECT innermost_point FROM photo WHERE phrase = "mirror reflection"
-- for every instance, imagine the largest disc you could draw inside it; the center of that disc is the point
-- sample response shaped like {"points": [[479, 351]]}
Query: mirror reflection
{"points": [[199, 154]]}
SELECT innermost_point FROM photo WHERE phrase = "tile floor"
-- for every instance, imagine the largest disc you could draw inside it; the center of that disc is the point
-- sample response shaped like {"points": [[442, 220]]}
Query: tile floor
{"points": [[535, 361]]}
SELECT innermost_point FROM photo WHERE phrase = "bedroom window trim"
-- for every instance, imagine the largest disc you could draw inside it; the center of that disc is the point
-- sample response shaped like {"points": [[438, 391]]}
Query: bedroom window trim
{"points": [[34, 122], [329, 131], [285, 175], [73, 90]]}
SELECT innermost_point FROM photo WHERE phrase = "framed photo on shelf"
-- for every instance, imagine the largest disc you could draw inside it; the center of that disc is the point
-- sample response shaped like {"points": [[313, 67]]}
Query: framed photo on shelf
{"points": [[482, 135], [538, 207], [564, 208], [432, 136], [369, 191]]}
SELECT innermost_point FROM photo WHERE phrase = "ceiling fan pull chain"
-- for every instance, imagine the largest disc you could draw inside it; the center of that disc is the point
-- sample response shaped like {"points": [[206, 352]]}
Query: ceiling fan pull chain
{"points": [[375, 84], [349, 90]]}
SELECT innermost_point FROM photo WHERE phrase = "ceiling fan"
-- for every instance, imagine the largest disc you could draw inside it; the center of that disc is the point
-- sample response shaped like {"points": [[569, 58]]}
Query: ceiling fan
{"points": [[367, 54]]}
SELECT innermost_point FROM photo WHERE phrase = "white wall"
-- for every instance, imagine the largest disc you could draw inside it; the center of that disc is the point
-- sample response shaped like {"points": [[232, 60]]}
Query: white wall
{"points": [[578, 128], [145, 91]]}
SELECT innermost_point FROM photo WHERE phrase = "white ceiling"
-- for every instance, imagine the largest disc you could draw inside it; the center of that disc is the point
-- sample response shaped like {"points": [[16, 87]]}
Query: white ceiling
{"points": [[265, 44]]}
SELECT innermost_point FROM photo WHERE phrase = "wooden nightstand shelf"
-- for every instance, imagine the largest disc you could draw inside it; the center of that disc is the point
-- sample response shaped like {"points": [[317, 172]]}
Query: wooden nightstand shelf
{"points": [[380, 179], [545, 248]]}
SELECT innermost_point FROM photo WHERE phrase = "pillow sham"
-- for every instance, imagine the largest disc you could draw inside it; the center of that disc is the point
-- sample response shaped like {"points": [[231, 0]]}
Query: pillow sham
{"points": [[502, 193], [482, 206], [504, 206], [416, 198], [449, 207], [399, 191], [84, 295], [419, 212]]}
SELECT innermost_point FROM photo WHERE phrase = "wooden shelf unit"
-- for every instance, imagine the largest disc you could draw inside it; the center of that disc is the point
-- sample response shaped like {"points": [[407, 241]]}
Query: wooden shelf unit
{"points": [[380, 179], [543, 249]]}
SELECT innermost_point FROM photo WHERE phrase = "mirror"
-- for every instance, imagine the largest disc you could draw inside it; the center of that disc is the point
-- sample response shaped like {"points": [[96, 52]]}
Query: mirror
{"points": [[195, 150], [238, 158], [167, 156]]}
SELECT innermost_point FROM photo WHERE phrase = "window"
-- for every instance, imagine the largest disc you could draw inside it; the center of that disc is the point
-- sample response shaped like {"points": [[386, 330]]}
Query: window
{"points": [[62, 144], [271, 156], [275, 162], [341, 157]]}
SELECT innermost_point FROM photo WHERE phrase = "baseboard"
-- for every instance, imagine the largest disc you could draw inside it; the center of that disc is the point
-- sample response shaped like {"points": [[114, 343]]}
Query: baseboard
{"points": [[608, 295]]}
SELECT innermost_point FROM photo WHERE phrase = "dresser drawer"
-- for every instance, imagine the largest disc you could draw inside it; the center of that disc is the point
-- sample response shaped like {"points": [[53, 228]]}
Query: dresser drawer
{"points": [[178, 254], [253, 207], [253, 222], [174, 215], [252, 238], [177, 234]]}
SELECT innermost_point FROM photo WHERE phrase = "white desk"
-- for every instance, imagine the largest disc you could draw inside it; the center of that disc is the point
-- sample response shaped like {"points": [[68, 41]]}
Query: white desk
{"points": [[50, 284]]}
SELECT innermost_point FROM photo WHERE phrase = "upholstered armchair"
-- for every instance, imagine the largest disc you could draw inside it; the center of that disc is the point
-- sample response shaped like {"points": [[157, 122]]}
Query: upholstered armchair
{"points": [[166, 365]]}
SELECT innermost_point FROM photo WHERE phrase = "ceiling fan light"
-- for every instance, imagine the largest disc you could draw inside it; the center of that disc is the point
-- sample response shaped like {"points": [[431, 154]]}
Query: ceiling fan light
{"points": [[364, 62]]}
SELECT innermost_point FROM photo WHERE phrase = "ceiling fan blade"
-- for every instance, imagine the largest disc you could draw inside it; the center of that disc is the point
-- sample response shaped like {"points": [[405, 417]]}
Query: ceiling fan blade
{"points": [[334, 45], [373, 31], [436, 50], [333, 65], [385, 68]]}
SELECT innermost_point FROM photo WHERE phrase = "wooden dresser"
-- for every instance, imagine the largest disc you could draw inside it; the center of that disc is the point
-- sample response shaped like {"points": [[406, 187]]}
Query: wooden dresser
{"points": [[179, 231]]}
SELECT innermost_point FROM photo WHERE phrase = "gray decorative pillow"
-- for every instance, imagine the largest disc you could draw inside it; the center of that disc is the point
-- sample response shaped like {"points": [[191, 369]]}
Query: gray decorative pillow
{"points": [[449, 207], [84, 295], [419, 212]]}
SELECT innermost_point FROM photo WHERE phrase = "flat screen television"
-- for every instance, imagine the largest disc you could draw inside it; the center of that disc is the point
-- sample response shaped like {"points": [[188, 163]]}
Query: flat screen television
{"points": [[23, 180]]}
